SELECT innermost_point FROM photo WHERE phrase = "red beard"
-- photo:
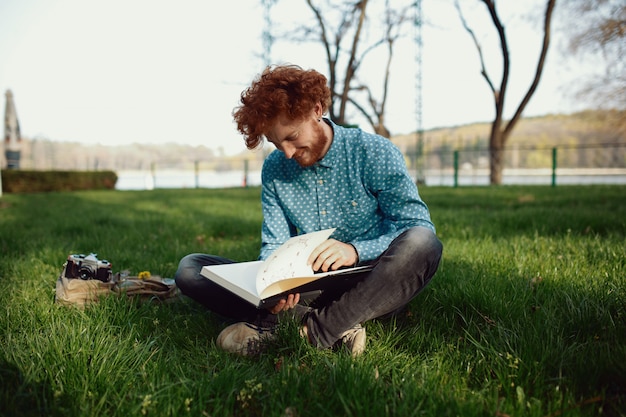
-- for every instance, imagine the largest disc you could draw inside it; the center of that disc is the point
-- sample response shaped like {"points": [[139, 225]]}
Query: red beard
{"points": [[307, 157]]}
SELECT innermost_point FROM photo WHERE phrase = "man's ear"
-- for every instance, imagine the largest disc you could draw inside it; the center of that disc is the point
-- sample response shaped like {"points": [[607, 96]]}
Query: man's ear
{"points": [[318, 111]]}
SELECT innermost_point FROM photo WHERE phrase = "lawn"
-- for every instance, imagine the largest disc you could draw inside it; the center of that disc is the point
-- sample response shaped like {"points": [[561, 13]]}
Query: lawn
{"points": [[525, 317]]}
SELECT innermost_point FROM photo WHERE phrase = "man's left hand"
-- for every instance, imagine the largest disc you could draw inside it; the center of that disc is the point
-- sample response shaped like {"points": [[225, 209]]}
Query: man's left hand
{"points": [[285, 304]]}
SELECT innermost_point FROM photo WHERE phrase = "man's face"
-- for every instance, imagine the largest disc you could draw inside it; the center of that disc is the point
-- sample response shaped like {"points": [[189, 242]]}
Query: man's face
{"points": [[304, 140]]}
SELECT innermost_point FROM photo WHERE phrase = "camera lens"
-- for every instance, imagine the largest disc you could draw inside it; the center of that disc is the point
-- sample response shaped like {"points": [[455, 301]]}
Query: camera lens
{"points": [[86, 272]]}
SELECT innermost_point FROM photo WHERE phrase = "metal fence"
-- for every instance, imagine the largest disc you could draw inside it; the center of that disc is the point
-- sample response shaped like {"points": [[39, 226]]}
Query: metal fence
{"points": [[592, 164], [566, 164], [443, 166]]}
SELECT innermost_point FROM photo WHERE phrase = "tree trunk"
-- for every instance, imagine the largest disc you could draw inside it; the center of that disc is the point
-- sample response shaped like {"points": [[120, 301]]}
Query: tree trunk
{"points": [[382, 130], [496, 157], [500, 134]]}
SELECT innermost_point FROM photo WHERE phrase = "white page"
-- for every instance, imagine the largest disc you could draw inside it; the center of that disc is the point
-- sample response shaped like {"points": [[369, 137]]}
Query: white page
{"points": [[290, 259], [239, 278]]}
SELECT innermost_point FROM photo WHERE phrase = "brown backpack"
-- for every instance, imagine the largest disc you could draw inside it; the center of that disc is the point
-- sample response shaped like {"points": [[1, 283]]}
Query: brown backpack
{"points": [[81, 292]]}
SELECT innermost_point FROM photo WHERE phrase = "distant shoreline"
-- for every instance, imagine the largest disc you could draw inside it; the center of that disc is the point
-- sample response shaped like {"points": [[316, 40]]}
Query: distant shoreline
{"points": [[146, 180]]}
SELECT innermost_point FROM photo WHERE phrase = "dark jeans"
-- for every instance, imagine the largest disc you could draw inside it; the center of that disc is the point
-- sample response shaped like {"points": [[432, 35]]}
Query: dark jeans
{"points": [[399, 274]]}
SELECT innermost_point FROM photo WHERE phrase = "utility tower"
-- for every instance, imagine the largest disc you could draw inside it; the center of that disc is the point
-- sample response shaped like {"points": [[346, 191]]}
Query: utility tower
{"points": [[420, 176]]}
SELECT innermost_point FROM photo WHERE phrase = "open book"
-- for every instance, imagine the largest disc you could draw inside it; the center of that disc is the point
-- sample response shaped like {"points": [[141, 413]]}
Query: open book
{"points": [[285, 271]]}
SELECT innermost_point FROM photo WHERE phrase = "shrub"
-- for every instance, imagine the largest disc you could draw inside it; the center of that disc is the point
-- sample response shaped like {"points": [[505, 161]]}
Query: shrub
{"points": [[20, 181]]}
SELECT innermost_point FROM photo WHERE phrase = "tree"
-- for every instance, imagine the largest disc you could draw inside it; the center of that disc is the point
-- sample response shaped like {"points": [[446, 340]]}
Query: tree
{"points": [[596, 29], [501, 129], [348, 37]]}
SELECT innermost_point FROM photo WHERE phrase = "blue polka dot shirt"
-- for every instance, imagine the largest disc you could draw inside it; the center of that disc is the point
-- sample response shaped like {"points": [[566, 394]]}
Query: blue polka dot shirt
{"points": [[361, 187]]}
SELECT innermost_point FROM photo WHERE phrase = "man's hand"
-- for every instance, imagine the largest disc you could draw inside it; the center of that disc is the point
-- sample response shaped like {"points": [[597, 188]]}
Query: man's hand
{"points": [[285, 304], [332, 255]]}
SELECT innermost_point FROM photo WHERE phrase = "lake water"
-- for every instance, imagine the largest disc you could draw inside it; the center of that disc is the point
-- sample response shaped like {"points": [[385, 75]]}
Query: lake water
{"points": [[144, 180]]}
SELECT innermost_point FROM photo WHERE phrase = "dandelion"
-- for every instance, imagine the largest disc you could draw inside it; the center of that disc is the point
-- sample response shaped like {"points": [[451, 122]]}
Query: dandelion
{"points": [[145, 404], [144, 275], [247, 395]]}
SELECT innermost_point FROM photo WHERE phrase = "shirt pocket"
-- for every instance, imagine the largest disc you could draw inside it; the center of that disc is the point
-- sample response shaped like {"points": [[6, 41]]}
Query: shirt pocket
{"points": [[359, 215]]}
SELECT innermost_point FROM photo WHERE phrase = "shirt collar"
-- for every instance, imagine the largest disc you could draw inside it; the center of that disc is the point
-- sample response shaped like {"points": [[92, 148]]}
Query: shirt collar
{"points": [[329, 160]]}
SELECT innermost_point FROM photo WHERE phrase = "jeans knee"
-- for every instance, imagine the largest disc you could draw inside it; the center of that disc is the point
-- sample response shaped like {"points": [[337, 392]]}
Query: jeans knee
{"points": [[188, 272], [424, 242], [188, 276]]}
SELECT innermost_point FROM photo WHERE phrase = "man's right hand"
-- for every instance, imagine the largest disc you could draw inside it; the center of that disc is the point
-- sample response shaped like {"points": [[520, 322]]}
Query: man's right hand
{"points": [[331, 255]]}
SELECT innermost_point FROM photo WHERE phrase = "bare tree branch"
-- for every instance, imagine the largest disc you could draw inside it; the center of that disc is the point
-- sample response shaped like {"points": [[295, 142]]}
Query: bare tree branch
{"points": [[506, 61], [483, 69], [350, 66], [362, 111], [498, 136], [598, 32], [341, 26], [331, 60], [538, 71]]}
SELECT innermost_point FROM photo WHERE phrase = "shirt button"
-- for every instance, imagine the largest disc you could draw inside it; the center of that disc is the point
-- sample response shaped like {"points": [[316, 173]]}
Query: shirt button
{"points": [[320, 182], [354, 204], [323, 212]]}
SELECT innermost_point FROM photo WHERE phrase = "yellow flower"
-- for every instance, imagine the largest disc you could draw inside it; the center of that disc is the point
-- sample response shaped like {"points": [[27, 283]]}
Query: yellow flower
{"points": [[144, 275], [146, 403]]}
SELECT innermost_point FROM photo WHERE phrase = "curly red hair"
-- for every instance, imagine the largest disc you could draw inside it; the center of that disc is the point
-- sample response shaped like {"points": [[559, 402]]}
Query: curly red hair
{"points": [[288, 91]]}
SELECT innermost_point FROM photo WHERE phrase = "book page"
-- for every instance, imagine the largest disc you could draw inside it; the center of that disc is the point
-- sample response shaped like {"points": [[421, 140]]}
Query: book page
{"points": [[287, 284], [238, 278], [290, 259]]}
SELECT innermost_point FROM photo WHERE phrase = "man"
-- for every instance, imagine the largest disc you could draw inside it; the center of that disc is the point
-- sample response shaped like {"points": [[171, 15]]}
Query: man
{"points": [[324, 176]]}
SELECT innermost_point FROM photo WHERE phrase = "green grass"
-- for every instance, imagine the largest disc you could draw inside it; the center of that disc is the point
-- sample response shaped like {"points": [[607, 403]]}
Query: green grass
{"points": [[526, 316]]}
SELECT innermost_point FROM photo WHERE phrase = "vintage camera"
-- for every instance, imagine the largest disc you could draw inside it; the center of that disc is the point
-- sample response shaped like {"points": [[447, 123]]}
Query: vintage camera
{"points": [[88, 267]]}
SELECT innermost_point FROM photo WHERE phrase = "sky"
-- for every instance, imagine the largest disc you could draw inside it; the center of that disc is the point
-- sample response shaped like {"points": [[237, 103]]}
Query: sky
{"points": [[157, 71]]}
